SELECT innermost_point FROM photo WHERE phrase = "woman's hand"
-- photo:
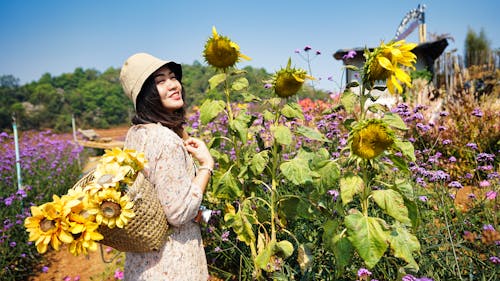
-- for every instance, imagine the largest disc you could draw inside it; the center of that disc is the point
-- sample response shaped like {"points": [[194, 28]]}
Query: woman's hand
{"points": [[199, 151]]}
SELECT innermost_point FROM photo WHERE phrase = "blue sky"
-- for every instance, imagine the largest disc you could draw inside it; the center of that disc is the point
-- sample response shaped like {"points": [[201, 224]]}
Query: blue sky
{"points": [[58, 36]]}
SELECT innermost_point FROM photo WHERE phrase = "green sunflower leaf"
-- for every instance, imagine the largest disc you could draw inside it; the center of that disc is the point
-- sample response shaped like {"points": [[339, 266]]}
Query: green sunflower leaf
{"points": [[215, 80], [210, 109], [368, 236]]}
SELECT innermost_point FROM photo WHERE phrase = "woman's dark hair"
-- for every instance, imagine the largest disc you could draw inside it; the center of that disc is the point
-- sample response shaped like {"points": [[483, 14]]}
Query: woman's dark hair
{"points": [[149, 109]]}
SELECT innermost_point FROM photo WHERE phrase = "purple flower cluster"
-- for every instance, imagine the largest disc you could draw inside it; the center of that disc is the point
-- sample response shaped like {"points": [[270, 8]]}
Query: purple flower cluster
{"points": [[409, 277], [49, 165]]}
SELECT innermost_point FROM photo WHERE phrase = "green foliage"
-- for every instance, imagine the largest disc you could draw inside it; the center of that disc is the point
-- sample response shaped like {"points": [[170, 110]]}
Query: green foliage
{"points": [[96, 99], [477, 48]]}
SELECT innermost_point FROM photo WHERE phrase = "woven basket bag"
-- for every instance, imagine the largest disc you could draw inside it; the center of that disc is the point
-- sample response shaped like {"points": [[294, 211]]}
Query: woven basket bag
{"points": [[148, 230]]}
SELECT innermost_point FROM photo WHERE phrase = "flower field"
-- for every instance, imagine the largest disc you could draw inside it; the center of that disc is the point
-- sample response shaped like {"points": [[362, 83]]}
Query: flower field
{"points": [[339, 188]]}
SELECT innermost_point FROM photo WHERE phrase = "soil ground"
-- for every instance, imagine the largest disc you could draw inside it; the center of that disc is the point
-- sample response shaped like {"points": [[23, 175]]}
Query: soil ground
{"points": [[63, 266]]}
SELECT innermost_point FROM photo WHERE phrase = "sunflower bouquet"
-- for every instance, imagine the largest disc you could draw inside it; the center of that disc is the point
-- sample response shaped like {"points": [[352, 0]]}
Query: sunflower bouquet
{"points": [[74, 218]]}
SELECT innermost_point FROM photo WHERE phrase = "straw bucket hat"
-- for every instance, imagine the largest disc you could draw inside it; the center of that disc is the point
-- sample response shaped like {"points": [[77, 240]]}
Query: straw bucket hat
{"points": [[138, 67]]}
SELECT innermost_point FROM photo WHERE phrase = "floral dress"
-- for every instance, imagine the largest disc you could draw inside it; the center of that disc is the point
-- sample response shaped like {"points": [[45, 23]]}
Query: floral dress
{"points": [[171, 169]]}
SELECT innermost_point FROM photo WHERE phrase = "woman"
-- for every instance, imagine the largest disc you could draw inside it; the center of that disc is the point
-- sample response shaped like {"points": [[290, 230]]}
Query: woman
{"points": [[155, 88]]}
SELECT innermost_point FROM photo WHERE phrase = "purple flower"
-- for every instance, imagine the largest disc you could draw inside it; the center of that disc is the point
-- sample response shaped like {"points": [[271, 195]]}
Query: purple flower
{"points": [[443, 113], [268, 86], [485, 168], [8, 201], [307, 48], [452, 159], [418, 116], [350, 55], [495, 260], [420, 181], [318, 53], [45, 269], [423, 127], [21, 193], [446, 142], [409, 277], [423, 198], [297, 51], [485, 157], [493, 175], [488, 227], [455, 184], [472, 145], [334, 193], [12, 244], [477, 112], [363, 272]]}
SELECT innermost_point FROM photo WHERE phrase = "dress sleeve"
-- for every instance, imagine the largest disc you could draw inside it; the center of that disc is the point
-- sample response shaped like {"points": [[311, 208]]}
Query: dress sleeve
{"points": [[169, 170]]}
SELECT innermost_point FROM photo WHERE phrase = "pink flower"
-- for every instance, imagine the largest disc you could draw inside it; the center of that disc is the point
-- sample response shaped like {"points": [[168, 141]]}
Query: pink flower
{"points": [[484, 183], [67, 278], [350, 55], [363, 272], [491, 195], [118, 274]]}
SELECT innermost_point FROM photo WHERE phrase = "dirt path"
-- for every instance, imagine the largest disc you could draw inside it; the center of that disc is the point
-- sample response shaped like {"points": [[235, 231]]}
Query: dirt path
{"points": [[63, 266]]}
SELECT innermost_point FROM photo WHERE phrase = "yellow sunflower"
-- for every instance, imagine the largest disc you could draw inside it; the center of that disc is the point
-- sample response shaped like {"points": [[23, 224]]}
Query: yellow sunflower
{"points": [[45, 226], [115, 155], [111, 174], [79, 212], [85, 235], [387, 63], [220, 52], [111, 208], [370, 138], [138, 159], [129, 160], [288, 81]]}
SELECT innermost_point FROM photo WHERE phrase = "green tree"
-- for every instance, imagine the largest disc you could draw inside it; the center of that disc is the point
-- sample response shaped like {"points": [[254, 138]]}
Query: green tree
{"points": [[477, 48]]}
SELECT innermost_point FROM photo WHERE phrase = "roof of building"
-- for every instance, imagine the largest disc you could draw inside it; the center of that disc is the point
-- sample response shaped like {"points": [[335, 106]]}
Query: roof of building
{"points": [[431, 50]]}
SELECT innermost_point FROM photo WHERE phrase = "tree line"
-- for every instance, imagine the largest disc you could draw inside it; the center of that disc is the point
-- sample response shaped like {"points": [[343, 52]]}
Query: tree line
{"points": [[96, 99]]}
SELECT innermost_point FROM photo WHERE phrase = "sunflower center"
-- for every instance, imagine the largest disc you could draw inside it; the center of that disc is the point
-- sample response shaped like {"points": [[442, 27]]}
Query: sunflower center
{"points": [[110, 209], [46, 225], [84, 213], [77, 235], [107, 178]]}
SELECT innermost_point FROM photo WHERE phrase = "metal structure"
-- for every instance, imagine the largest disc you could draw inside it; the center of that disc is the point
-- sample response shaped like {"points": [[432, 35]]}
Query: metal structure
{"points": [[414, 18]]}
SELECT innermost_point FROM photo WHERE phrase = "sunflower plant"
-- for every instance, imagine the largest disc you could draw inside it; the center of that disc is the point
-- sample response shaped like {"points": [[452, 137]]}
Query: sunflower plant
{"points": [[378, 200], [75, 217], [252, 186]]}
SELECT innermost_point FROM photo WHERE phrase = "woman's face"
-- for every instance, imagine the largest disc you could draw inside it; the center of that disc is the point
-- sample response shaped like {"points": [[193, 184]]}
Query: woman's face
{"points": [[169, 88]]}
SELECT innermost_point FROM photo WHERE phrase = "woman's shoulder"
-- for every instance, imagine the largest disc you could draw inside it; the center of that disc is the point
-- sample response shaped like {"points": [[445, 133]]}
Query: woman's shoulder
{"points": [[152, 132]]}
